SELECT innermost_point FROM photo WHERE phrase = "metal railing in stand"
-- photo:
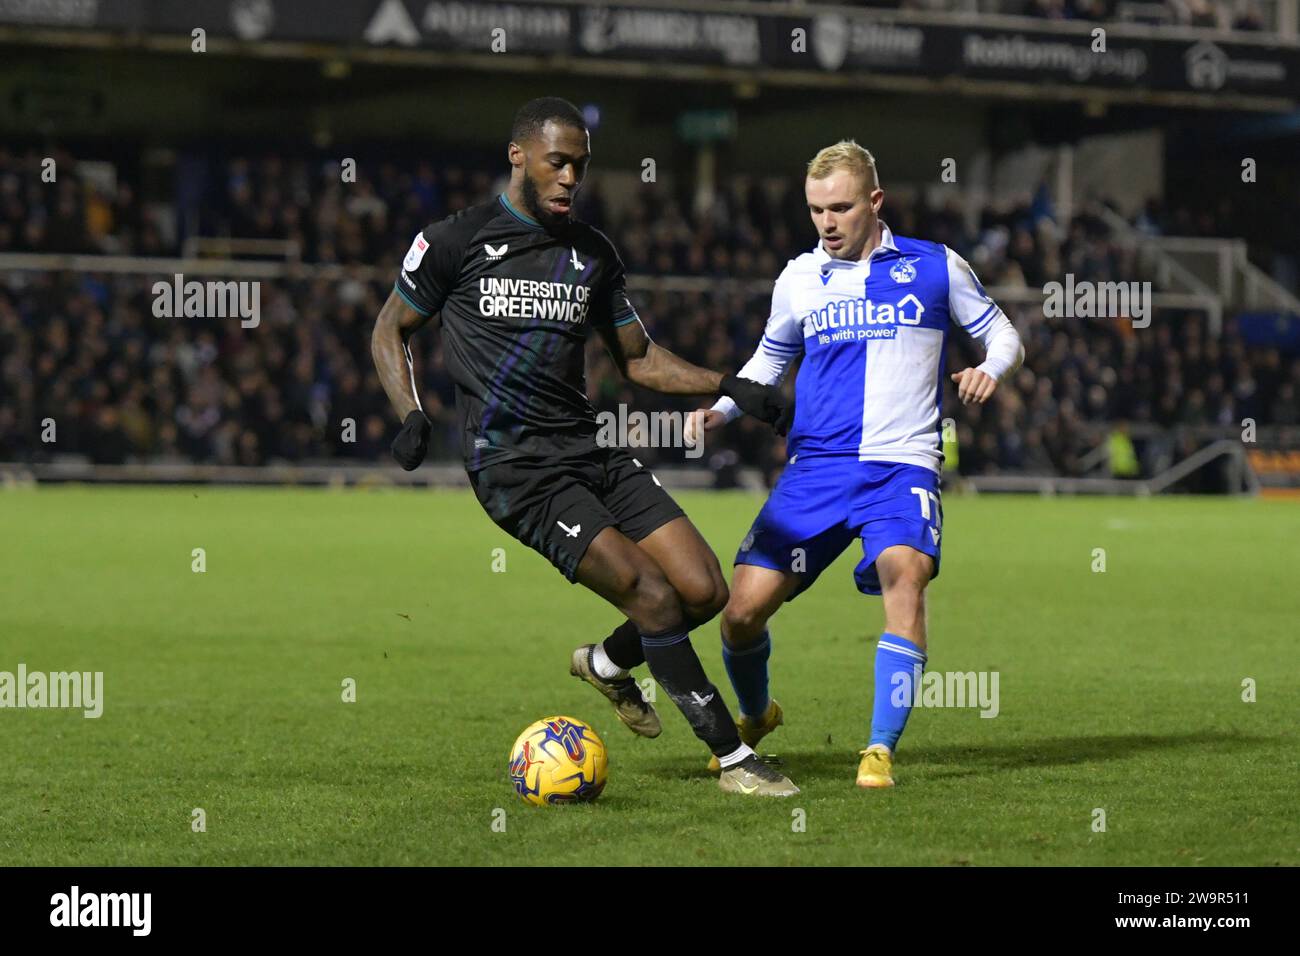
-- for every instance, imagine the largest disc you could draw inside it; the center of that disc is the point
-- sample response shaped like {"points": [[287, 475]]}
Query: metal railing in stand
{"points": [[321, 474], [1166, 269], [1241, 478], [1221, 267], [223, 247]]}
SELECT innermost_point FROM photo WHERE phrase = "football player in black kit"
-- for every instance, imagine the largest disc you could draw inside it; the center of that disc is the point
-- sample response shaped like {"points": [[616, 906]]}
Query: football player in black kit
{"points": [[517, 284]]}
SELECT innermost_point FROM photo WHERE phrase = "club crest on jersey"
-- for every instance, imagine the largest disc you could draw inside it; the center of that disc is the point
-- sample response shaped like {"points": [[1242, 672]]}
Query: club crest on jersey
{"points": [[903, 271], [495, 253]]}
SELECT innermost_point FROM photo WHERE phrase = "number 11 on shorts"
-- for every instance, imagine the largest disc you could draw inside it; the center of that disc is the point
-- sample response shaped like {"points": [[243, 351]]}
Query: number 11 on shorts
{"points": [[926, 496]]}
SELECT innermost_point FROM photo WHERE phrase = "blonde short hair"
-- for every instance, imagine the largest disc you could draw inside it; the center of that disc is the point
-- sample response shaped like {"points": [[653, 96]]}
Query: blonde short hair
{"points": [[848, 155]]}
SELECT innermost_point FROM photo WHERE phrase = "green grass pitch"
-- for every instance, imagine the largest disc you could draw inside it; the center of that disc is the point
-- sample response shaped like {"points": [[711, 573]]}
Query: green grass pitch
{"points": [[1119, 690]]}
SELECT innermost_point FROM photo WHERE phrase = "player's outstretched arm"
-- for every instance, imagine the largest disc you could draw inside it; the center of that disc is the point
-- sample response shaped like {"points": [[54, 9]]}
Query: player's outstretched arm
{"points": [[388, 346], [645, 363]]}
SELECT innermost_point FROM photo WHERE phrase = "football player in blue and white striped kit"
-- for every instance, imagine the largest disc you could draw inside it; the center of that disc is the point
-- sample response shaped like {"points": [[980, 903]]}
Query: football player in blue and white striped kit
{"points": [[870, 313]]}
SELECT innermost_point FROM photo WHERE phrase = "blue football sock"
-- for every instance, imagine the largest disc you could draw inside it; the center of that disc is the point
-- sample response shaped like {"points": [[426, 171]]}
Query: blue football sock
{"points": [[899, 665], [747, 669]]}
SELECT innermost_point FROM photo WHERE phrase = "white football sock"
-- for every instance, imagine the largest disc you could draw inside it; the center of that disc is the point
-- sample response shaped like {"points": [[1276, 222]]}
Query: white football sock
{"points": [[604, 667], [736, 756]]}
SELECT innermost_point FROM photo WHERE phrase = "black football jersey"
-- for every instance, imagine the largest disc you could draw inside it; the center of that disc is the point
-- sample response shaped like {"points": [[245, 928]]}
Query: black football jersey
{"points": [[517, 302]]}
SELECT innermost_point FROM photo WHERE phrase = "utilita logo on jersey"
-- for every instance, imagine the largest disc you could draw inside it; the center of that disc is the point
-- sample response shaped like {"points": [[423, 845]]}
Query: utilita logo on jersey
{"points": [[852, 320]]}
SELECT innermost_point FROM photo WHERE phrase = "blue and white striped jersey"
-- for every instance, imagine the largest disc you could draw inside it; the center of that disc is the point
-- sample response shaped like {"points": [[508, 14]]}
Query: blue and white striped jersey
{"points": [[872, 335]]}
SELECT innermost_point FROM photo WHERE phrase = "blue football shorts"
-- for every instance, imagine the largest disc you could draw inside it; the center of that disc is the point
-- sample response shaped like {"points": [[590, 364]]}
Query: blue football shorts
{"points": [[820, 504]]}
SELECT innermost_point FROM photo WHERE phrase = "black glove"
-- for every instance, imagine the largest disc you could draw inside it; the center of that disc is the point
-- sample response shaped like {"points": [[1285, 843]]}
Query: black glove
{"points": [[782, 424], [762, 401], [412, 442]]}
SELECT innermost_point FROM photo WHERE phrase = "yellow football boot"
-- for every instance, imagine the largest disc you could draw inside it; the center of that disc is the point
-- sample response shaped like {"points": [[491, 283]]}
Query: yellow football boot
{"points": [[876, 768]]}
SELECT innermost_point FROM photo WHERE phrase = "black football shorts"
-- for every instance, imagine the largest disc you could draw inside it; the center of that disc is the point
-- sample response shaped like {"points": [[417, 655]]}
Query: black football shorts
{"points": [[557, 506]]}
